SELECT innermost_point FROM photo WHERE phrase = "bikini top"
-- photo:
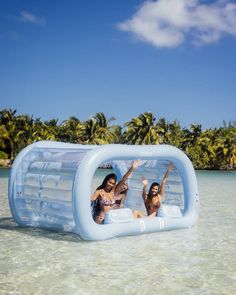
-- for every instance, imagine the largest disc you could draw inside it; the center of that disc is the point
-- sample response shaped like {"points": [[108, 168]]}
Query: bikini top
{"points": [[152, 207], [106, 202]]}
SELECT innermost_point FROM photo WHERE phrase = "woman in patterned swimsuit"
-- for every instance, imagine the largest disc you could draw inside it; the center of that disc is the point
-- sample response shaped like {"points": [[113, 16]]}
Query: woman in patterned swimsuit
{"points": [[105, 194]]}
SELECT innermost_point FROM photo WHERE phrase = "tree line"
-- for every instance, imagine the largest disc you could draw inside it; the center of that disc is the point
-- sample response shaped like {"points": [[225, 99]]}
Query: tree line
{"points": [[213, 148]]}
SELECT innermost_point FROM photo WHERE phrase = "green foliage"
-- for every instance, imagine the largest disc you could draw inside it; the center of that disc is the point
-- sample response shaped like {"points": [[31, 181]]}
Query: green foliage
{"points": [[97, 130], [142, 130], [207, 149], [3, 156]]}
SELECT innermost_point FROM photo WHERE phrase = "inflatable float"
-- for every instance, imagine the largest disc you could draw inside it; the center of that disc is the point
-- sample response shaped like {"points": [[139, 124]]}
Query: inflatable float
{"points": [[51, 183]]}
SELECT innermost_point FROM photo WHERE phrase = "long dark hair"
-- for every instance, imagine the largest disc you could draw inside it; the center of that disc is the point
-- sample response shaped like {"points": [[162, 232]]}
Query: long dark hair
{"points": [[109, 176], [150, 190]]}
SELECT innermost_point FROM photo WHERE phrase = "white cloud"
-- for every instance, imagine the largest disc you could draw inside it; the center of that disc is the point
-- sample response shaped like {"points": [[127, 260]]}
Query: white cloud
{"points": [[28, 17], [169, 23]]}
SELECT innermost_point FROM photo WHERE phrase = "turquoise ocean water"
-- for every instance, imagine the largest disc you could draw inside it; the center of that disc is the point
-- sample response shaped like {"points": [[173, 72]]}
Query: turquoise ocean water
{"points": [[200, 260]]}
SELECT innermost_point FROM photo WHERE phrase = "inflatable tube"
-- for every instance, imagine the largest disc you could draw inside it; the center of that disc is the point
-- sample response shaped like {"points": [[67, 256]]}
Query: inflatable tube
{"points": [[50, 187]]}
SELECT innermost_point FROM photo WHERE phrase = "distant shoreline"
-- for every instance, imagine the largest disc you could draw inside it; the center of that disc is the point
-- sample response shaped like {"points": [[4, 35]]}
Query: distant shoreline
{"points": [[5, 163], [110, 167], [212, 148]]}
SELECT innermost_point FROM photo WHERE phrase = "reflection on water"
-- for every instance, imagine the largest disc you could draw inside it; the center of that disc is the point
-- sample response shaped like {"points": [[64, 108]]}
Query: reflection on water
{"points": [[200, 260]]}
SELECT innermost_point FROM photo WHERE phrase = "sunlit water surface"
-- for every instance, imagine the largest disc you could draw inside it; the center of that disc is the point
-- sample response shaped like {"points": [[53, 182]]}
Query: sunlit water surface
{"points": [[200, 260]]}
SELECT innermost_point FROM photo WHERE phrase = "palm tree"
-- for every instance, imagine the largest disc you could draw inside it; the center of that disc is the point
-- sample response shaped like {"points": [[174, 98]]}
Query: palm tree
{"points": [[98, 131], [142, 130], [164, 129], [171, 133], [12, 131], [42, 131], [102, 120], [225, 147], [175, 134], [87, 132], [52, 123], [67, 131], [108, 133]]}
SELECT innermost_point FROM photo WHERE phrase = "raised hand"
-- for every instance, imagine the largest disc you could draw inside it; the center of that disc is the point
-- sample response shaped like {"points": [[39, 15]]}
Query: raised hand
{"points": [[144, 181], [136, 164]]}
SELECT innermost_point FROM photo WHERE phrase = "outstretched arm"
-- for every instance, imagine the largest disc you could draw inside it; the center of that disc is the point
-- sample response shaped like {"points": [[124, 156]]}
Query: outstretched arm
{"points": [[133, 167], [163, 183], [145, 184]]}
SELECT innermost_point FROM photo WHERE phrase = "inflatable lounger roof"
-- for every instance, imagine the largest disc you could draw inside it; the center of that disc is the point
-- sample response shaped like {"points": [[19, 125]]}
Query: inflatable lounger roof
{"points": [[51, 183]]}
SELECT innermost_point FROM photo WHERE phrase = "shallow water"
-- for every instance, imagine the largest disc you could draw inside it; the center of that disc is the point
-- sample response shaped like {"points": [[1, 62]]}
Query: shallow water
{"points": [[200, 260]]}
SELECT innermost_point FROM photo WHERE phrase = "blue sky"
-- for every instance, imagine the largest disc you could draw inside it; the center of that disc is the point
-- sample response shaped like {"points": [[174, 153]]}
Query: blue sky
{"points": [[174, 58]]}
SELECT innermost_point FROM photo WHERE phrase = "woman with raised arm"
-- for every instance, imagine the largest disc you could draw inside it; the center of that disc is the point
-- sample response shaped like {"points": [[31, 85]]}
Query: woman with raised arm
{"points": [[122, 187], [108, 192], [152, 200]]}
